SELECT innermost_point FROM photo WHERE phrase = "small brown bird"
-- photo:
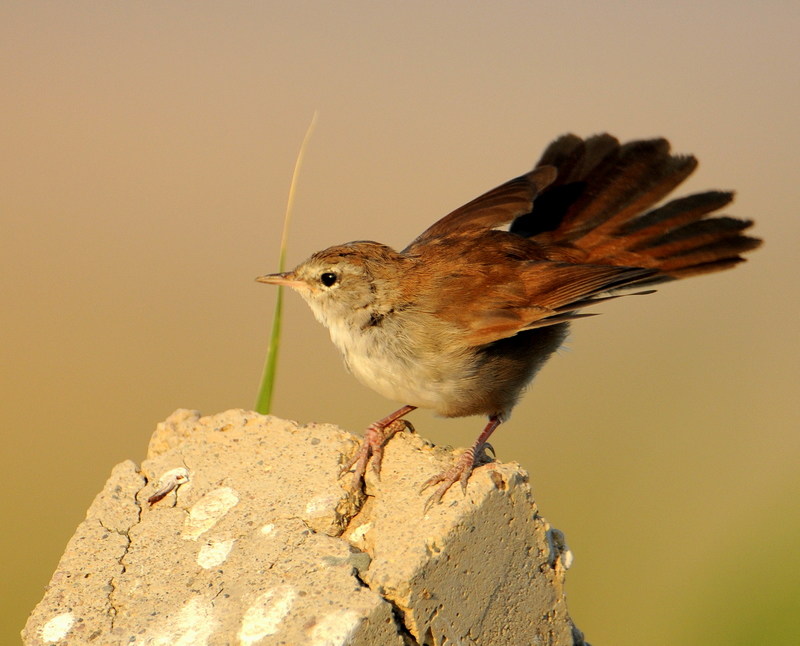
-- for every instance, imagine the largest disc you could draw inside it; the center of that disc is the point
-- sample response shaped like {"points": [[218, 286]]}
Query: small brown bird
{"points": [[462, 319]]}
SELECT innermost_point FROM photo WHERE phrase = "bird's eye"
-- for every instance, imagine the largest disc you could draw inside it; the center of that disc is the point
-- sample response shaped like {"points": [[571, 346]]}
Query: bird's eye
{"points": [[328, 278]]}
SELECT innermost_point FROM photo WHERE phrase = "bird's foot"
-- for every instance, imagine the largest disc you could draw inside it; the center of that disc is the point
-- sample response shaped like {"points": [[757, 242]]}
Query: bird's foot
{"points": [[459, 472], [375, 438]]}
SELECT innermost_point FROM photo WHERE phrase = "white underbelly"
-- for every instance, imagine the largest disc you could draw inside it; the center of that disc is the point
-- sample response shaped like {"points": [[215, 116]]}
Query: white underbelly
{"points": [[398, 381], [387, 365]]}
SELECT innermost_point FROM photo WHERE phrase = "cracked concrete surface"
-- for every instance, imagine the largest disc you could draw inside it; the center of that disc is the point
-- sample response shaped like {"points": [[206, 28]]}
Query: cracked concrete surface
{"points": [[265, 545]]}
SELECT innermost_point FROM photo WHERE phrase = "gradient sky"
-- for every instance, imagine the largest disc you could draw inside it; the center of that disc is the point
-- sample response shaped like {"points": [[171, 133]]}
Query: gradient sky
{"points": [[147, 149]]}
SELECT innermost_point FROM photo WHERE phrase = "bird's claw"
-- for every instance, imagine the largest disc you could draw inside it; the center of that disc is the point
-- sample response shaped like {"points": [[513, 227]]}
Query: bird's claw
{"points": [[459, 472], [372, 446], [481, 456]]}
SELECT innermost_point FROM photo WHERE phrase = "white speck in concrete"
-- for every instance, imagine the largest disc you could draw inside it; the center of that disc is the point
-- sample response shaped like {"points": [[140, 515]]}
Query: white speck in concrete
{"points": [[560, 554], [268, 529], [192, 626], [359, 532], [321, 505], [214, 553], [207, 511], [335, 629], [266, 614], [58, 627]]}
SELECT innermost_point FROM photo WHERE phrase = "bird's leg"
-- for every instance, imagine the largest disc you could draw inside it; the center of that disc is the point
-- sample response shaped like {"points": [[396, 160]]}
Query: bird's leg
{"points": [[462, 469], [374, 440]]}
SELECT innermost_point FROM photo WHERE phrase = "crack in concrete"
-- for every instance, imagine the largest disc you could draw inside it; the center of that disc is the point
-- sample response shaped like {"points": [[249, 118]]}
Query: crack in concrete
{"points": [[112, 583], [114, 611], [219, 592], [402, 629], [346, 512], [398, 615]]}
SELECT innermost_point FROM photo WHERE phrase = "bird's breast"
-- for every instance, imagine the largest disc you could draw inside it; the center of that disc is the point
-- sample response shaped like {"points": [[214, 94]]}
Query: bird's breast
{"points": [[401, 366]]}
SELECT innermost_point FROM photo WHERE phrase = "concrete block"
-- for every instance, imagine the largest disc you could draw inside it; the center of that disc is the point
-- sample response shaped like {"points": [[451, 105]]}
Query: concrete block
{"points": [[260, 543]]}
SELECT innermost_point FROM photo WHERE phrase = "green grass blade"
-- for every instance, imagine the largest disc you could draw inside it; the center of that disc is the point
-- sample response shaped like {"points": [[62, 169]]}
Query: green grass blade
{"points": [[267, 387], [265, 390]]}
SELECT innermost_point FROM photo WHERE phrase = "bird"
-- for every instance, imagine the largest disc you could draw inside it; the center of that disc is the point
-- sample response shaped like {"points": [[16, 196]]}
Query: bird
{"points": [[462, 319]]}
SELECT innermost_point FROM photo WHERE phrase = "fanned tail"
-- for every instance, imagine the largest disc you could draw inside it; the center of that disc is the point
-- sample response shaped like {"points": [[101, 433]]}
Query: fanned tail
{"points": [[604, 202]]}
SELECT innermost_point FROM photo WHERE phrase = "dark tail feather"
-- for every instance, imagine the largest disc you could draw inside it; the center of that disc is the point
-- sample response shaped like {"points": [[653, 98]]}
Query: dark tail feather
{"points": [[599, 204]]}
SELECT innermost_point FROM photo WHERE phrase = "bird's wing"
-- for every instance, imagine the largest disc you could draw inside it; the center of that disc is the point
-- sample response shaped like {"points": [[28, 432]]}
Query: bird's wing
{"points": [[492, 209], [492, 292]]}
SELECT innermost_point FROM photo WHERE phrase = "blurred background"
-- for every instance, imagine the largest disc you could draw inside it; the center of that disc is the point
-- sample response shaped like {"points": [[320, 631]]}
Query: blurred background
{"points": [[147, 149]]}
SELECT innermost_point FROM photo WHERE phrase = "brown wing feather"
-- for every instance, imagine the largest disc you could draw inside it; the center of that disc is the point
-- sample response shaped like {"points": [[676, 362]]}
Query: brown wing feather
{"points": [[492, 209], [551, 294], [509, 285]]}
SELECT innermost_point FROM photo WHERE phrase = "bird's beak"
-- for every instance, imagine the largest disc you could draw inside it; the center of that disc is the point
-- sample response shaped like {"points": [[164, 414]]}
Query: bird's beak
{"points": [[286, 279]]}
